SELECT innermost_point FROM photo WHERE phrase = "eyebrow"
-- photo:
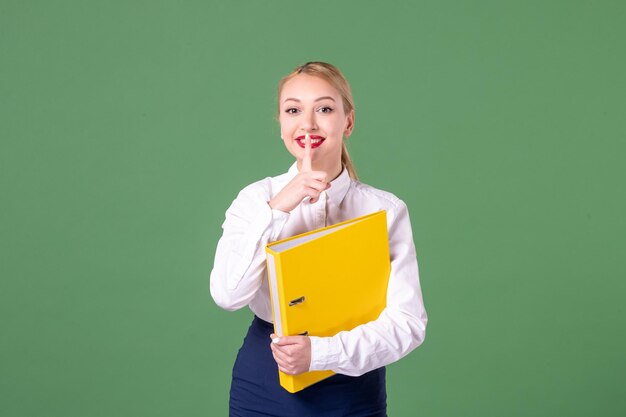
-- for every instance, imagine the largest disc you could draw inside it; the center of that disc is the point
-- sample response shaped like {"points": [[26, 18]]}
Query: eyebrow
{"points": [[317, 99]]}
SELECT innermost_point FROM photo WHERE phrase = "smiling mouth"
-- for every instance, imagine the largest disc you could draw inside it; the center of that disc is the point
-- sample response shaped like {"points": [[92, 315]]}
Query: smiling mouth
{"points": [[316, 141]]}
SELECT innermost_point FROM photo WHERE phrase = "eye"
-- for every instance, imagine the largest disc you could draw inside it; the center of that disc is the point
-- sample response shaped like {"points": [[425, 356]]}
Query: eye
{"points": [[291, 110], [326, 109]]}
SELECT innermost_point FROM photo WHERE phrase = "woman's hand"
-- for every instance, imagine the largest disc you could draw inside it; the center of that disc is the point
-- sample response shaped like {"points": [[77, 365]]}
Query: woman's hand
{"points": [[292, 353], [307, 183]]}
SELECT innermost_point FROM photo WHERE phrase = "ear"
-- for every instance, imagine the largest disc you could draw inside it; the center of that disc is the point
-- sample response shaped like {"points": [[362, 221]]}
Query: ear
{"points": [[349, 124]]}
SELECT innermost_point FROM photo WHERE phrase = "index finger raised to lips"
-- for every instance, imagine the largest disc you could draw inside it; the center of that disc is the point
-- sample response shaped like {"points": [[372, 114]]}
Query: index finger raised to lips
{"points": [[306, 159]]}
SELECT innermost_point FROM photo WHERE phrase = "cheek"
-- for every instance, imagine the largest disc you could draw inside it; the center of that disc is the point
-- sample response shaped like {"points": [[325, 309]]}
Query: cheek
{"points": [[286, 128], [335, 126]]}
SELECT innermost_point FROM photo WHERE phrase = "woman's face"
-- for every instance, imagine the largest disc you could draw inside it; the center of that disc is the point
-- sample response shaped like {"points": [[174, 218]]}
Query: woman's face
{"points": [[311, 105]]}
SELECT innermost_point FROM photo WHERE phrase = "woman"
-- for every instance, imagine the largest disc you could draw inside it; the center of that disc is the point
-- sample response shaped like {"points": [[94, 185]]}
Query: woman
{"points": [[316, 115]]}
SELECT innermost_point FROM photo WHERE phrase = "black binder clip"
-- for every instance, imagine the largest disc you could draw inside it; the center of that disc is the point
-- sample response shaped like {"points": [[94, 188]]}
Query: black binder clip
{"points": [[296, 301]]}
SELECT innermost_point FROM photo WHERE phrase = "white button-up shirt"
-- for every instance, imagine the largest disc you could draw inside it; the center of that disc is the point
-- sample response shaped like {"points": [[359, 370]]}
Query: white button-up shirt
{"points": [[239, 275]]}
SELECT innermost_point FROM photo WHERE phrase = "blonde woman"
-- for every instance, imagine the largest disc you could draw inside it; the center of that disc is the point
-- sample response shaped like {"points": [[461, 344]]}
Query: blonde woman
{"points": [[321, 188]]}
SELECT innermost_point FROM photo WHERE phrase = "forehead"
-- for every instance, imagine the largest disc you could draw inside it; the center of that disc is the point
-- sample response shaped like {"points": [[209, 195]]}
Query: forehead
{"points": [[307, 87]]}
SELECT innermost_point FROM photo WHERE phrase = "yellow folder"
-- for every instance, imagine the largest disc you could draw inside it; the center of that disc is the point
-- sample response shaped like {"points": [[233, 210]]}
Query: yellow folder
{"points": [[328, 280]]}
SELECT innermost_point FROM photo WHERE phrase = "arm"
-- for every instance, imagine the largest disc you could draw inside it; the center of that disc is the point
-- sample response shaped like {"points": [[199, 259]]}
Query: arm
{"points": [[401, 326], [239, 264], [251, 222]]}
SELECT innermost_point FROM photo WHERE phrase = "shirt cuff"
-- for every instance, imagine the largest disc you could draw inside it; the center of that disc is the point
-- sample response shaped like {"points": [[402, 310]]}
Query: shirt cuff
{"points": [[324, 353]]}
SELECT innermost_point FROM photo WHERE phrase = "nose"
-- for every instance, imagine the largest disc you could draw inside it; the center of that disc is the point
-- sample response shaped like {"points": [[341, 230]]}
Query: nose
{"points": [[309, 123]]}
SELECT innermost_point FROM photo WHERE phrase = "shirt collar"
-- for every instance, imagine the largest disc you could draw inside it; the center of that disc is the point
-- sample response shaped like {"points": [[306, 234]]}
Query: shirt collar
{"points": [[339, 186]]}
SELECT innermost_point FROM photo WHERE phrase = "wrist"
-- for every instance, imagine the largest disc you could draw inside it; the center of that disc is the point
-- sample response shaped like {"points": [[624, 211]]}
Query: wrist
{"points": [[274, 205]]}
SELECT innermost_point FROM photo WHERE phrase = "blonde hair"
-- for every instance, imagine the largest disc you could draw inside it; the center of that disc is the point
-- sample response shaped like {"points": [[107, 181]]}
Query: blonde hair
{"points": [[334, 77]]}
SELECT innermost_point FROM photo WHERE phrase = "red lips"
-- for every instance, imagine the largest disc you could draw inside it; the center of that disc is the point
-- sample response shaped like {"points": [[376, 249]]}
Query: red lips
{"points": [[314, 144]]}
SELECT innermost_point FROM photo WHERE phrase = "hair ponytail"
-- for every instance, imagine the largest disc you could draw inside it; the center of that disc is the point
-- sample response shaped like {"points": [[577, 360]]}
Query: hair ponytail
{"points": [[347, 161]]}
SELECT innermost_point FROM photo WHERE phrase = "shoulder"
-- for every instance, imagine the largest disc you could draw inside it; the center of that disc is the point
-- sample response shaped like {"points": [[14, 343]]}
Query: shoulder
{"points": [[368, 192], [376, 199]]}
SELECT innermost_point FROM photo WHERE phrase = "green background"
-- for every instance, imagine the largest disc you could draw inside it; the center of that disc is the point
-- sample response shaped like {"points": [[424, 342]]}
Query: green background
{"points": [[128, 127]]}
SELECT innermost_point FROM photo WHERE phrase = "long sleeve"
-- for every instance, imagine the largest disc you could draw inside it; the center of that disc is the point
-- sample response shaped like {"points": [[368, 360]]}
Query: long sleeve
{"points": [[239, 264], [400, 328]]}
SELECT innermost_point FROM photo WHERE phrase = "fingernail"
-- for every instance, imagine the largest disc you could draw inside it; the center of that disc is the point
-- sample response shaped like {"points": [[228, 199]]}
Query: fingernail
{"points": [[276, 340]]}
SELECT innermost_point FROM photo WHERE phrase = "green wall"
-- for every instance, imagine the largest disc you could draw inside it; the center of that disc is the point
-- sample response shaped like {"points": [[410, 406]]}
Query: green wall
{"points": [[127, 128]]}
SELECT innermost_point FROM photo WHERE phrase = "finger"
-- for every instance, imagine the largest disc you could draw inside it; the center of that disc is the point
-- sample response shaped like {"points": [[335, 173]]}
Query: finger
{"points": [[280, 357], [285, 371], [316, 175], [275, 348], [284, 352], [312, 193], [319, 186], [290, 340], [306, 159], [283, 361], [281, 365]]}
